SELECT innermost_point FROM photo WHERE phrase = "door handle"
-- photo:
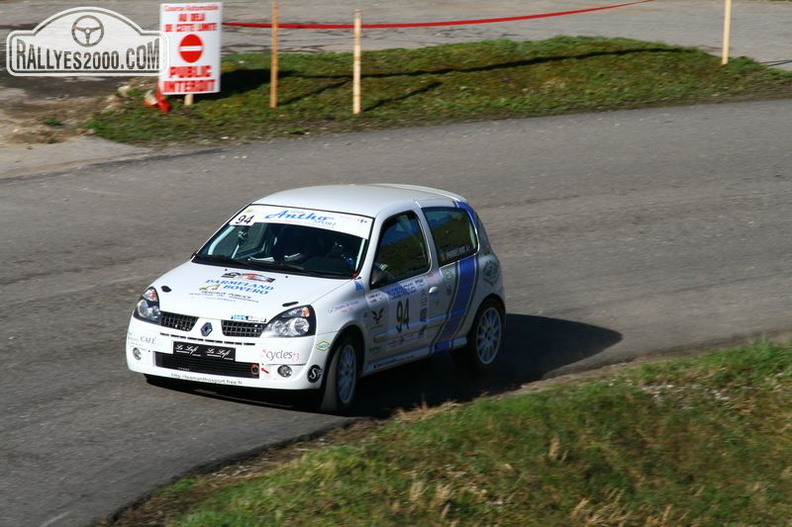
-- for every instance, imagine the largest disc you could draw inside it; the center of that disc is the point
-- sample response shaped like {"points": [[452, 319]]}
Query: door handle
{"points": [[434, 290]]}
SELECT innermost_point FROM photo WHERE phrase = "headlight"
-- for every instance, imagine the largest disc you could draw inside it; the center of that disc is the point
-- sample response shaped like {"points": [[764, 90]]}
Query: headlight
{"points": [[297, 322], [148, 307]]}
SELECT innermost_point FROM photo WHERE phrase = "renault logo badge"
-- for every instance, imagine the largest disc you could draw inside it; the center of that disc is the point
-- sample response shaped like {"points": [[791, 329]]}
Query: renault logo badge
{"points": [[206, 329]]}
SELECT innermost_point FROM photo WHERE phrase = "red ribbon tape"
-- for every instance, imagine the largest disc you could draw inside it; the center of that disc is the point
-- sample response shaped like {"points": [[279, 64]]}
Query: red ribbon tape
{"points": [[435, 24]]}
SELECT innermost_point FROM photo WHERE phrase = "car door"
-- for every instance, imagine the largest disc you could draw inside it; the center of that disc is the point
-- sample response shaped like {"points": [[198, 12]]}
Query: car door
{"points": [[456, 244], [398, 299]]}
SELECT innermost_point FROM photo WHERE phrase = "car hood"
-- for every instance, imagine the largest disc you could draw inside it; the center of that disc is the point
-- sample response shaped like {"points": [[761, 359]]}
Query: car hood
{"points": [[237, 294]]}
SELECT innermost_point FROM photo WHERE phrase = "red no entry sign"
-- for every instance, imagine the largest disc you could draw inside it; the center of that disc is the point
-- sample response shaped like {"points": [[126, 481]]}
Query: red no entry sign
{"points": [[191, 48]]}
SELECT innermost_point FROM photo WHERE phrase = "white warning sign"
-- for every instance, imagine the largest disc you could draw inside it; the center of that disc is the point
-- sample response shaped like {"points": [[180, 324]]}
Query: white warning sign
{"points": [[194, 33]]}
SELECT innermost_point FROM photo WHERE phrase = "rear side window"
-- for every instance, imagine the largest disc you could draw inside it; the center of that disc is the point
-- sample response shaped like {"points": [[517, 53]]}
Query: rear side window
{"points": [[453, 233]]}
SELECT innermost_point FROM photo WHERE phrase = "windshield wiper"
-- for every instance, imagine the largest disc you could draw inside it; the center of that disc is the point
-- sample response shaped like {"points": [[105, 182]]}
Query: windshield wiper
{"points": [[219, 259], [284, 266]]}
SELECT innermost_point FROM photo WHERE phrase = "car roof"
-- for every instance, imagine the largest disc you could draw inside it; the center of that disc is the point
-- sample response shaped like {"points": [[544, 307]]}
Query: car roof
{"points": [[367, 200]]}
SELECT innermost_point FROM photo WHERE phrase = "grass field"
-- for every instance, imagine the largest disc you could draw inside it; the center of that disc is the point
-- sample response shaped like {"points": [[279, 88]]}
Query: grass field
{"points": [[452, 83], [704, 441]]}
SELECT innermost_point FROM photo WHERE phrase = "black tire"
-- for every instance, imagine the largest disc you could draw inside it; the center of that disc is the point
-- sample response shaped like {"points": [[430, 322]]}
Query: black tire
{"points": [[340, 382], [484, 341]]}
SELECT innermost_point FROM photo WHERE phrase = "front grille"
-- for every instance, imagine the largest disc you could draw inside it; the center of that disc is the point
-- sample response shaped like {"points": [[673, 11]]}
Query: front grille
{"points": [[210, 366], [176, 321], [234, 328]]}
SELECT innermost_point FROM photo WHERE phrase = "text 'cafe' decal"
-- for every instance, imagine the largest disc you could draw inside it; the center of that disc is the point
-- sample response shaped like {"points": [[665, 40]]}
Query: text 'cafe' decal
{"points": [[194, 33]]}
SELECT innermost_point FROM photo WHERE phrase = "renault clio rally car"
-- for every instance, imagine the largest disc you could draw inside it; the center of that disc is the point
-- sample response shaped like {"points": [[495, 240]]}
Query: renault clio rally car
{"points": [[310, 289]]}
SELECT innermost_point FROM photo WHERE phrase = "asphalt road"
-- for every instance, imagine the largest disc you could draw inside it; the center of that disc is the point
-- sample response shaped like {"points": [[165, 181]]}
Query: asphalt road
{"points": [[621, 234]]}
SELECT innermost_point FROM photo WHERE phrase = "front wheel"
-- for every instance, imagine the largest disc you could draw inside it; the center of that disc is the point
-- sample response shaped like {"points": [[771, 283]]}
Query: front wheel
{"points": [[340, 383], [484, 341]]}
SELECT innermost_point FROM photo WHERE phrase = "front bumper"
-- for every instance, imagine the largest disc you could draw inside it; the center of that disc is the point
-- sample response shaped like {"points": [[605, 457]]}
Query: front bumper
{"points": [[274, 363]]}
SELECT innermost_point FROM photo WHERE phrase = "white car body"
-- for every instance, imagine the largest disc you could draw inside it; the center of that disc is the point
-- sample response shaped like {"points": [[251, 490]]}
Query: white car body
{"points": [[213, 320]]}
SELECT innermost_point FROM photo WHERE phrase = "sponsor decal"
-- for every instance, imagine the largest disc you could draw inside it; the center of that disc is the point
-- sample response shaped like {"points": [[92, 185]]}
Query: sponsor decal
{"points": [[389, 361], [296, 214], [229, 297], [424, 298], [246, 318], [203, 351], [253, 277], [314, 373], [376, 297], [344, 307], [205, 379], [86, 41], [231, 290], [239, 285], [347, 223], [141, 343], [281, 356], [452, 254], [401, 290], [323, 346], [490, 272], [377, 315]]}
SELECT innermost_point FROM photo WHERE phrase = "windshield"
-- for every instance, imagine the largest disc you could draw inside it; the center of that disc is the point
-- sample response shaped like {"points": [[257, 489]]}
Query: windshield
{"points": [[291, 240]]}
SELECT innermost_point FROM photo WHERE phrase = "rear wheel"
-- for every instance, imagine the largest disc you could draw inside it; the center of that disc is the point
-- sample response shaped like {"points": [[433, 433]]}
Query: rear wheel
{"points": [[484, 341], [340, 382]]}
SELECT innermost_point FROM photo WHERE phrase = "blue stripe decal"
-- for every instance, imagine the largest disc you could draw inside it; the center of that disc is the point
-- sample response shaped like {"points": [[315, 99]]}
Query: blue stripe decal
{"points": [[465, 268], [474, 262]]}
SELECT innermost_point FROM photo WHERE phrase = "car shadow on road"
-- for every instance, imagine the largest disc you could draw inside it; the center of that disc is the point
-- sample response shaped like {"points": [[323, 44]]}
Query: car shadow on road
{"points": [[534, 347]]}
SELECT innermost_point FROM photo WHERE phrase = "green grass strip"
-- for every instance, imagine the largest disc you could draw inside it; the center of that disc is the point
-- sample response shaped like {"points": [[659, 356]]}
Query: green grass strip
{"points": [[450, 83]]}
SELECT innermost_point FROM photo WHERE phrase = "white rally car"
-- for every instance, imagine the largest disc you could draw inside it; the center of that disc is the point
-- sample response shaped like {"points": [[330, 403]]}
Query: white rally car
{"points": [[310, 289]]}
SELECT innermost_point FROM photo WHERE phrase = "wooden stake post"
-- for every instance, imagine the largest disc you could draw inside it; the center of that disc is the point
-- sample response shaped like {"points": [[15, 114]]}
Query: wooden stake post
{"points": [[356, 67], [726, 32], [274, 63]]}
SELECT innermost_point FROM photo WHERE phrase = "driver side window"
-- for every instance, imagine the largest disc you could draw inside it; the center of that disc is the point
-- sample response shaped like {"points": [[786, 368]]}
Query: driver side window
{"points": [[401, 251]]}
